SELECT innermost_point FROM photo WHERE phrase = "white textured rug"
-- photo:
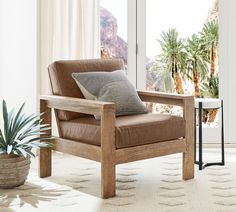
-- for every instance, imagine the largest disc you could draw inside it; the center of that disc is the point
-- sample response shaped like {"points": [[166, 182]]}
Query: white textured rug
{"points": [[153, 185]]}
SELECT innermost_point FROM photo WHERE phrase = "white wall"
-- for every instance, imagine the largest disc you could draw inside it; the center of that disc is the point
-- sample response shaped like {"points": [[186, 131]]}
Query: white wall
{"points": [[227, 63], [18, 31]]}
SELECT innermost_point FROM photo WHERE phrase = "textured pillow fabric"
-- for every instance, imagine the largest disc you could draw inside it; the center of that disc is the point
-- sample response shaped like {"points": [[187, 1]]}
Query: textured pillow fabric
{"points": [[111, 87]]}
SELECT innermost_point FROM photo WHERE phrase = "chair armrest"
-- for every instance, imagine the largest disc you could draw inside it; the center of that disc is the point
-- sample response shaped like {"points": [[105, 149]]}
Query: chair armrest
{"points": [[104, 109], [79, 105], [186, 101], [164, 98]]}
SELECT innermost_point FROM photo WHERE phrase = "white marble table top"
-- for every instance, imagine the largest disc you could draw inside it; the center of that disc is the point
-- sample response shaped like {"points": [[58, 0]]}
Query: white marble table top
{"points": [[208, 103]]}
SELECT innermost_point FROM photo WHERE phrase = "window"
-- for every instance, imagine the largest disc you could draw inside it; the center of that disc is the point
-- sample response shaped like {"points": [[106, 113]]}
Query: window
{"points": [[113, 23], [166, 46]]}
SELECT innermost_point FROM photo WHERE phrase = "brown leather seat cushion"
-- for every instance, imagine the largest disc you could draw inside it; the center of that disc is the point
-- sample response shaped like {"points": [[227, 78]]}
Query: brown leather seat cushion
{"points": [[130, 130]]}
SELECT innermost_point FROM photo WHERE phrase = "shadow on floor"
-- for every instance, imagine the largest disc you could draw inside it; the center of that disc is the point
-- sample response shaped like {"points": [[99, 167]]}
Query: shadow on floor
{"points": [[28, 193]]}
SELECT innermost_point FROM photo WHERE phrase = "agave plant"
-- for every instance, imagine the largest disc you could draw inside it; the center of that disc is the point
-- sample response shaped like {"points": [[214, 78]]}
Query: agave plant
{"points": [[22, 132]]}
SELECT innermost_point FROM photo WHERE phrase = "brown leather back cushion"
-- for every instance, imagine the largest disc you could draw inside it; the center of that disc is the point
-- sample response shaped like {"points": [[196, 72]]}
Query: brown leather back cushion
{"points": [[63, 84]]}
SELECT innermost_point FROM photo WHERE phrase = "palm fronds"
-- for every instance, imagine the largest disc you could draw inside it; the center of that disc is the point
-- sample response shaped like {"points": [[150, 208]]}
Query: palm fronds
{"points": [[173, 53], [210, 35], [197, 56], [173, 56], [210, 88]]}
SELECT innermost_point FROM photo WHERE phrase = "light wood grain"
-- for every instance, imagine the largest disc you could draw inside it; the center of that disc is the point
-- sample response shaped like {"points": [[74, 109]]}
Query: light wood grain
{"points": [[162, 98], [150, 150], [164, 95], [188, 156], [107, 153], [45, 155], [108, 181], [187, 102], [91, 107], [77, 148]]}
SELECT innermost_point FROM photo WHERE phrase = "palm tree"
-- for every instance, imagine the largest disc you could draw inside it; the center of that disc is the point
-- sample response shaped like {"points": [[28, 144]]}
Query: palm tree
{"points": [[163, 79], [197, 61], [173, 56], [210, 88], [210, 37]]}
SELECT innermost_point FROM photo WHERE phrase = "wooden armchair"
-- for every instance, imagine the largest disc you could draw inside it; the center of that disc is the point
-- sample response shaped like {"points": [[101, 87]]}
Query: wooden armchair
{"points": [[113, 140]]}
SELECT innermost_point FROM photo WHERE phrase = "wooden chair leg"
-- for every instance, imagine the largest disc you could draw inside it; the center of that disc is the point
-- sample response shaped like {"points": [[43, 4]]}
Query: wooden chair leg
{"points": [[45, 155], [45, 163], [108, 180], [108, 172], [188, 156], [188, 166]]}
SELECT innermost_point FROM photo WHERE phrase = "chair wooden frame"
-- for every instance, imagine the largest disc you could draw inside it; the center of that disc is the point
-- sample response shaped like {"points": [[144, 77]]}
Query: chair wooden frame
{"points": [[107, 153]]}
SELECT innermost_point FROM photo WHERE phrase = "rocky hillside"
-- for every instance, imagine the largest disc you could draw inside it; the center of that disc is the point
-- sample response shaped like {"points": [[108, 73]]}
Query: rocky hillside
{"points": [[112, 44], [214, 12]]}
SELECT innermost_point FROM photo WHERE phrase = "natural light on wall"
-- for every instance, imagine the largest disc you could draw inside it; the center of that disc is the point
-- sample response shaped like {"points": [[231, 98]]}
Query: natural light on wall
{"points": [[18, 53]]}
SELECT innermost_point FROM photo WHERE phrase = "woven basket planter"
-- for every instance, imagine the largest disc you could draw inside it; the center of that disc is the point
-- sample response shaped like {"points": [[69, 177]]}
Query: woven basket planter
{"points": [[13, 170]]}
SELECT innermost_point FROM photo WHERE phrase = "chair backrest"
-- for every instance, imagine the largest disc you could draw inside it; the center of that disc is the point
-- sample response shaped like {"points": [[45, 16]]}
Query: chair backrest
{"points": [[63, 84]]}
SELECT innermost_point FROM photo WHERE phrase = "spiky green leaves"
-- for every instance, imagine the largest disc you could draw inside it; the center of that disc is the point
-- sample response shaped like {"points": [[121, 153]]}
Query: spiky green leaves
{"points": [[22, 133]]}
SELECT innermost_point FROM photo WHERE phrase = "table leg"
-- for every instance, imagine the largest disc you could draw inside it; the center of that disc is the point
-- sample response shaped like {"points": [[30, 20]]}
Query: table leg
{"points": [[200, 153], [200, 135], [222, 134], [195, 137]]}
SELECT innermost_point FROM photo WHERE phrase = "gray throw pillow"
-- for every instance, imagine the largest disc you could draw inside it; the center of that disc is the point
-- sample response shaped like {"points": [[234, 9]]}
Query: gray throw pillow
{"points": [[111, 87]]}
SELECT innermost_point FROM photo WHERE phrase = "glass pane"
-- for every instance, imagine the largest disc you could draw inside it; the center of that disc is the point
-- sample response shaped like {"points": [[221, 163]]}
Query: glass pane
{"points": [[113, 22], [181, 48]]}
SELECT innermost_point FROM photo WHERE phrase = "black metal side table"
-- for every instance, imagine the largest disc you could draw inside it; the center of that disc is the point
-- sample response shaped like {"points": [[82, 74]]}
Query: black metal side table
{"points": [[201, 104]]}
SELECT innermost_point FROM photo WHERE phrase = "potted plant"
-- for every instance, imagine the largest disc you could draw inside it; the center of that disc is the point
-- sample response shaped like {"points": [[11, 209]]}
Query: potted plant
{"points": [[20, 134]]}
